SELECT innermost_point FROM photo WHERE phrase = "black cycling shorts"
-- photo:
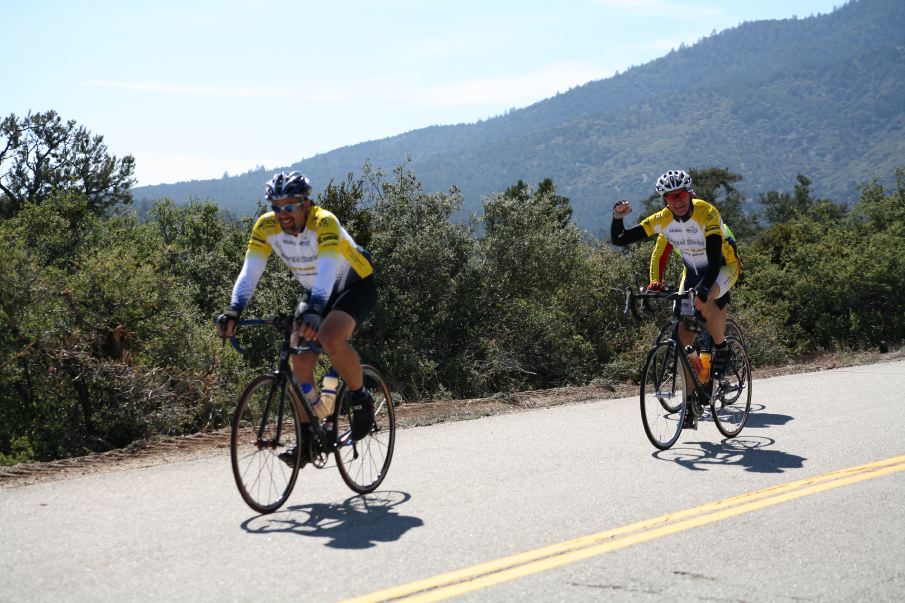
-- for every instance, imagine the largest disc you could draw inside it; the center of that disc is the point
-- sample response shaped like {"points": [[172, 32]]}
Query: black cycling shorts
{"points": [[358, 301]]}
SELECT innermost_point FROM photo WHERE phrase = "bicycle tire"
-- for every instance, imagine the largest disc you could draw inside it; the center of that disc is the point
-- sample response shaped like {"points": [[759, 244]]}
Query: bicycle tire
{"points": [[670, 405], [730, 403], [363, 465], [263, 479], [734, 330], [665, 333], [661, 380]]}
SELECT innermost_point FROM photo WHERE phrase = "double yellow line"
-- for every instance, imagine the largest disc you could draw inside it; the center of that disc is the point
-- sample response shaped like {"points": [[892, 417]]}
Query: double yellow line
{"points": [[487, 574]]}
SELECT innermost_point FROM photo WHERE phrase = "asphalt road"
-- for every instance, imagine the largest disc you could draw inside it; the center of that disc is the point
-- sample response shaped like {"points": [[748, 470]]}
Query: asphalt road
{"points": [[564, 504]]}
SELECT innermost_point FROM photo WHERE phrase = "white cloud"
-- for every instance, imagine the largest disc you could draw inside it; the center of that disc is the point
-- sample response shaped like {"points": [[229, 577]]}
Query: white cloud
{"points": [[504, 91]]}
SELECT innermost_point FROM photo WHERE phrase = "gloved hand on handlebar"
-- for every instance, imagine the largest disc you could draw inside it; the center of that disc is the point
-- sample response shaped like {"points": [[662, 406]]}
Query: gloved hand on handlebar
{"points": [[226, 323], [655, 286], [701, 292], [308, 318]]}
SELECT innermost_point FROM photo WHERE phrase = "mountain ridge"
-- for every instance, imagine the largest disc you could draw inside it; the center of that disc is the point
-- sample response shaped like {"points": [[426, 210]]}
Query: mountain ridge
{"points": [[766, 99]]}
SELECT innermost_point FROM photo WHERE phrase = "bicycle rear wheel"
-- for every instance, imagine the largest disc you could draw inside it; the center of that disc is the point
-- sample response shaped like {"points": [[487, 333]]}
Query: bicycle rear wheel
{"points": [[264, 480], [731, 399], [364, 464], [663, 403]]}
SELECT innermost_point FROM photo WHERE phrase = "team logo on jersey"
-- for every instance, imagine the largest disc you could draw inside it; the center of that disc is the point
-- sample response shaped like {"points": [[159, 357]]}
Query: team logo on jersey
{"points": [[299, 259]]}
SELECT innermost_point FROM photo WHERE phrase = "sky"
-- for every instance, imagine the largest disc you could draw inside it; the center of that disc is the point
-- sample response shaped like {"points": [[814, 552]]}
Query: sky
{"points": [[196, 89]]}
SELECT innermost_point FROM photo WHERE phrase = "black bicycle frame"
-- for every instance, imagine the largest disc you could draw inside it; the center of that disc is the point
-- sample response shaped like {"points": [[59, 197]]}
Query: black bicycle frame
{"points": [[696, 325], [283, 374]]}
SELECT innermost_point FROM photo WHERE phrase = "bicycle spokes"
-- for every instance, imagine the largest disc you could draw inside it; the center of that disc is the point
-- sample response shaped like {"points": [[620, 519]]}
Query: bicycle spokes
{"points": [[263, 478], [663, 404], [731, 401], [363, 464]]}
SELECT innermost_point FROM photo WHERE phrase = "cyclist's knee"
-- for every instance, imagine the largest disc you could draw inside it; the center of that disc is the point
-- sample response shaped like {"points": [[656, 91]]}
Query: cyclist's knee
{"points": [[337, 326], [333, 340]]}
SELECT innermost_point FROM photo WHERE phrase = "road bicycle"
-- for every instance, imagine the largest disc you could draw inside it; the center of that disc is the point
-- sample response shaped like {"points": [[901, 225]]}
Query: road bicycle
{"points": [[268, 427], [671, 387]]}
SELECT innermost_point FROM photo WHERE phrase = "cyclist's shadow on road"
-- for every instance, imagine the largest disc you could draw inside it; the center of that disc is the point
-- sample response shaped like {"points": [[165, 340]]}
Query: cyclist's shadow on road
{"points": [[359, 522], [753, 452]]}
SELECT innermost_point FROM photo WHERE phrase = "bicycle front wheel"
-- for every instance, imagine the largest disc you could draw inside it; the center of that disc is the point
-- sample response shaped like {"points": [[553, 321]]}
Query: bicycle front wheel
{"points": [[266, 424], [663, 403], [364, 464], [731, 399], [734, 330]]}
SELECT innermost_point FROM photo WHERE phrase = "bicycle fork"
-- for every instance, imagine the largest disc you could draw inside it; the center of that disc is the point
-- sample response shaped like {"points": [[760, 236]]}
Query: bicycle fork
{"points": [[260, 442]]}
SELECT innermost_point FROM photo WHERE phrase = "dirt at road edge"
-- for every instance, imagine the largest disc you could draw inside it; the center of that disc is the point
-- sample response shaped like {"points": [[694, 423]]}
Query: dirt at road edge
{"points": [[166, 450]]}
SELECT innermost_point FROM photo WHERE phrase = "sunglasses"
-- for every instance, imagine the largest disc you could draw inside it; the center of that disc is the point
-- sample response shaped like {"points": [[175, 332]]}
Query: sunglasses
{"points": [[675, 196], [286, 208]]}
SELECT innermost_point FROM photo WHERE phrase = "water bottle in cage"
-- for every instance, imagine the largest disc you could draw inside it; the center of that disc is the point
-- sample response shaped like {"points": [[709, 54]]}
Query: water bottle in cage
{"points": [[694, 359], [314, 400], [328, 390], [704, 372]]}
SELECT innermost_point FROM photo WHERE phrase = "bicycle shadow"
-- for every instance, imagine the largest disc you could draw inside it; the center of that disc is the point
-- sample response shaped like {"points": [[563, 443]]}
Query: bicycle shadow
{"points": [[750, 452], [359, 522], [758, 419]]}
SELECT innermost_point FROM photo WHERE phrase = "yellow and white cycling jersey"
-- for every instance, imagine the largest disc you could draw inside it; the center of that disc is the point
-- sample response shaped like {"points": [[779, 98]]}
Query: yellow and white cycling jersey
{"points": [[323, 257], [688, 236], [662, 248]]}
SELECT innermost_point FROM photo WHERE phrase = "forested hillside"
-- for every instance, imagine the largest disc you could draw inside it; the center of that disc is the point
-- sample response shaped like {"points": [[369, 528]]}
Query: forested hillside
{"points": [[819, 96], [107, 331]]}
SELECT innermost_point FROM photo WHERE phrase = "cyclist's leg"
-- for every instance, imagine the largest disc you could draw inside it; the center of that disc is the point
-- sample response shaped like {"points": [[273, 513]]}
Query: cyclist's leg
{"points": [[715, 315], [345, 314], [719, 311], [333, 336], [716, 309]]}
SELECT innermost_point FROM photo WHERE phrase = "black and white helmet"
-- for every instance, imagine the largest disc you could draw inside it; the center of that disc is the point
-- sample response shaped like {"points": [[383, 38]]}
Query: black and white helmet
{"points": [[673, 180], [287, 184]]}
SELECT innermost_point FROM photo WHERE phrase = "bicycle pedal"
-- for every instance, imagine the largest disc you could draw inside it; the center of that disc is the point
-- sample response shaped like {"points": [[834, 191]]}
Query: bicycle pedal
{"points": [[320, 460]]}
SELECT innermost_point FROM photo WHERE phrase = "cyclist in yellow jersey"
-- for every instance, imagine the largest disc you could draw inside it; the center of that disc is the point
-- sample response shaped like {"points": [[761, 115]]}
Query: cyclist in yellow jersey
{"points": [[695, 229], [660, 255], [336, 275]]}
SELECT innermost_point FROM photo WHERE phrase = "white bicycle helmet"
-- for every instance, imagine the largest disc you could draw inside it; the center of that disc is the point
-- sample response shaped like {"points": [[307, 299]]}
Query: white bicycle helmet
{"points": [[673, 180], [286, 185]]}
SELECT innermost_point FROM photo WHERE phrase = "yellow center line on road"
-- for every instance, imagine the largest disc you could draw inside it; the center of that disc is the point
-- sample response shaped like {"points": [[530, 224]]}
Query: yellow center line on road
{"points": [[480, 576]]}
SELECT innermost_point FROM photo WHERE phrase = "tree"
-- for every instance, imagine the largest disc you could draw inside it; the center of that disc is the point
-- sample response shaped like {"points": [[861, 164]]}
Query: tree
{"points": [[422, 328], [345, 201], [529, 257], [41, 156], [717, 186], [782, 207]]}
